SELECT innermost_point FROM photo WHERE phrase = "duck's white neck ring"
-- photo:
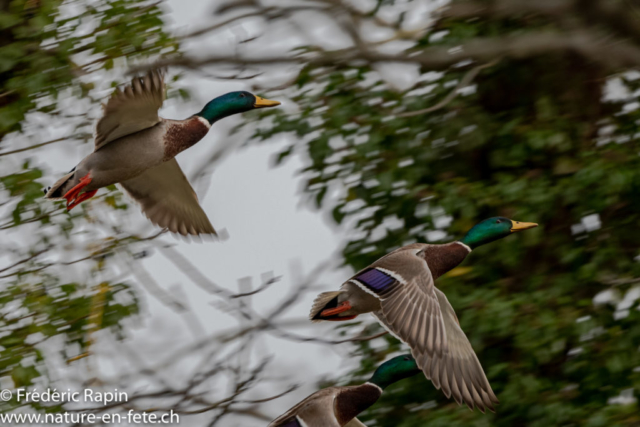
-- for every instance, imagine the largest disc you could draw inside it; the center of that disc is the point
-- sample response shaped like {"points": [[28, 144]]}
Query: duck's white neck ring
{"points": [[204, 121], [375, 385], [463, 245]]}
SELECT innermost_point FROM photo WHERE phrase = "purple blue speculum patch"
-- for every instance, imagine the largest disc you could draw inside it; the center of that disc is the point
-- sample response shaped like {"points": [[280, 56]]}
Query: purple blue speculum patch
{"points": [[375, 279]]}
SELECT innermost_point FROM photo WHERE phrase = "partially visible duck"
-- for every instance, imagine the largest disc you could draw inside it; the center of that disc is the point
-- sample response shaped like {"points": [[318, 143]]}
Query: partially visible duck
{"points": [[136, 148], [399, 290], [338, 406]]}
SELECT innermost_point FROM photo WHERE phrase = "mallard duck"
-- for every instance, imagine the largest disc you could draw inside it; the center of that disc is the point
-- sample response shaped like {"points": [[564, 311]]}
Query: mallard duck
{"points": [[338, 406], [136, 148], [399, 290]]}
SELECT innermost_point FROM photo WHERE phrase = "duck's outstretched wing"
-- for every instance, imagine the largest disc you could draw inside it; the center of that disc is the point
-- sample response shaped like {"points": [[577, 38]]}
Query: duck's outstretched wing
{"points": [[131, 110], [404, 285], [419, 314], [167, 199], [458, 370]]}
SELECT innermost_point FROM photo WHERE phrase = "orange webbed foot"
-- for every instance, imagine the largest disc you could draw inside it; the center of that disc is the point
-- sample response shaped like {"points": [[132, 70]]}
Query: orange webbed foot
{"points": [[341, 308], [73, 196], [84, 196]]}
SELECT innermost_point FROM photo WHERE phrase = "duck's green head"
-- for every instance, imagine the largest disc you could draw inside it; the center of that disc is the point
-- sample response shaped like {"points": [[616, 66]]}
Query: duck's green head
{"points": [[395, 369], [493, 229], [233, 103]]}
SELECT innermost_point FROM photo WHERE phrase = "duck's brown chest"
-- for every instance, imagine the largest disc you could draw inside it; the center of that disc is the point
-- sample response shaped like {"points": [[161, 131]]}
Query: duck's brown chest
{"points": [[442, 258], [181, 135], [353, 400]]}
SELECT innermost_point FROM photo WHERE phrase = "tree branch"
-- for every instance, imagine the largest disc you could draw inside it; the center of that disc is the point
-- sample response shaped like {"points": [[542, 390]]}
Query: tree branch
{"points": [[42, 144], [611, 54]]}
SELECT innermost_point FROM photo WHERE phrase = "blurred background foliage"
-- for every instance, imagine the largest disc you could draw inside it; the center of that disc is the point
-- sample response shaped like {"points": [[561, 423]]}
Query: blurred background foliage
{"points": [[522, 109], [548, 137], [49, 52]]}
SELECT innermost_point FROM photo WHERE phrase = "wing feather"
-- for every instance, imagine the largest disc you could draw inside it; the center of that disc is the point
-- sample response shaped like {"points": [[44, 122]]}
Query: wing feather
{"points": [[410, 305], [132, 110], [458, 371], [419, 314], [455, 370], [167, 199]]}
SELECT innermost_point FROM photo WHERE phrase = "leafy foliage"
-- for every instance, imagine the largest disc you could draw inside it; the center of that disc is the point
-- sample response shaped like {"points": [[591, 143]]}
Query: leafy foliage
{"points": [[44, 41], [533, 140], [48, 51], [49, 309]]}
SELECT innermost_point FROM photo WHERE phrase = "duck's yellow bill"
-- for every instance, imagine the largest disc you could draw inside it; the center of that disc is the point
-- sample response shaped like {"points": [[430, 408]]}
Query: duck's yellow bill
{"points": [[519, 226], [263, 103]]}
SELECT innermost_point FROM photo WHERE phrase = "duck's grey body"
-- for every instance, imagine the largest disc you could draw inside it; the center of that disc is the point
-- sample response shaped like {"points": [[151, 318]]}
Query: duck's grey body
{"points": [[362, 299], [361, 302], [122, 159], [136, 149], [132, 155]]}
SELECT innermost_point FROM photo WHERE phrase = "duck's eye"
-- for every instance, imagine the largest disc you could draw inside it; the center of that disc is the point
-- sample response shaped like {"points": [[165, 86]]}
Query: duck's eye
{"points": [[242, 95], [406, 358], [498, 221]]}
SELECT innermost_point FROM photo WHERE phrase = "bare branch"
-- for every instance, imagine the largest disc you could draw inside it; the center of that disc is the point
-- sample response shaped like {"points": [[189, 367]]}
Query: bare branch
{"points": [[259, 289], [609, 53], [42, 144], [24, 260], [222, 24]]}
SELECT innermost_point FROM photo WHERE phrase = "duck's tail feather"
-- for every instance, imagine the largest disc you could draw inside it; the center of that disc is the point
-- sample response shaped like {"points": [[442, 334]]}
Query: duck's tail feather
{"points": [[58, 190], [323, 301]]}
